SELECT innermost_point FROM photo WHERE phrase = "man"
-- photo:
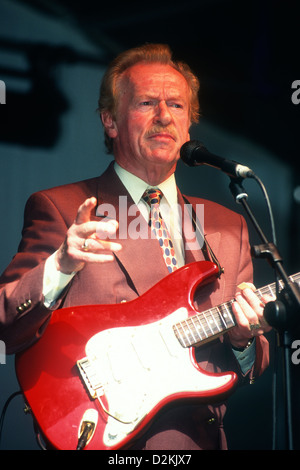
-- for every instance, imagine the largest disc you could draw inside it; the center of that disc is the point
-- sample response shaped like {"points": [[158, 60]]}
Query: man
{"points": [[71, 254]]}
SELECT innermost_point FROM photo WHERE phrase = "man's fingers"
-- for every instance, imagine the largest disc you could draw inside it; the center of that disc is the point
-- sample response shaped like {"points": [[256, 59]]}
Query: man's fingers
{"points": [[256, 303], [244, 315], [93, 250], [83, 244], [96, 229], [241, 319], [84, 211], [106, 229], [96, 246], [248, 310], [250, 301]]}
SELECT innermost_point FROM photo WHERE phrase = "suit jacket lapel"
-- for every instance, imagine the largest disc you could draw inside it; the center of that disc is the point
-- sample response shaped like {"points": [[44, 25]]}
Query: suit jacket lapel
{"points": [[194, 253], [193, 249], [141, 255]]}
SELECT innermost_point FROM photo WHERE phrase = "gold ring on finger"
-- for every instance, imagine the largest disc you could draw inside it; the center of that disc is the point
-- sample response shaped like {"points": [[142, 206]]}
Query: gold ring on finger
{"points": [[85, 245]]}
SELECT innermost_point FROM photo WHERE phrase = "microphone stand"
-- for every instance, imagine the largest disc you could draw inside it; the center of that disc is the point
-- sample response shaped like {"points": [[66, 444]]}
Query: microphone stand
{"points": [[283, 313]]}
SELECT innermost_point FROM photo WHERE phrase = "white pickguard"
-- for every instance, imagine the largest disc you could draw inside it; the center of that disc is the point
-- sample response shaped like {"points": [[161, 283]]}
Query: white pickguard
{"points": [[139, 367]]}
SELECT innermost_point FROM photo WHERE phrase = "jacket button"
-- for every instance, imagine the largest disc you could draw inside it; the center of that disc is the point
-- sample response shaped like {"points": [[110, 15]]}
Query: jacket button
{"points": [[211, 420], [27, 304], [24, 306]]}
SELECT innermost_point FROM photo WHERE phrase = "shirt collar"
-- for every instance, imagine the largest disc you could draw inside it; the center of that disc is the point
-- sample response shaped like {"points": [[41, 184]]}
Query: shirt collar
{"points": [[136, 186]]}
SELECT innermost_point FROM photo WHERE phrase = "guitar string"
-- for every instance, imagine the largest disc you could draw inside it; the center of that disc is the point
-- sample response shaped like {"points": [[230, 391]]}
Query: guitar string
{"points": [[206, 325], [188, 326]]}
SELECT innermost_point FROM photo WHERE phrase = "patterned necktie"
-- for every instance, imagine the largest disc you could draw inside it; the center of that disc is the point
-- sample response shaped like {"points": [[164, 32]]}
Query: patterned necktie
{"points": [[159, 228]]}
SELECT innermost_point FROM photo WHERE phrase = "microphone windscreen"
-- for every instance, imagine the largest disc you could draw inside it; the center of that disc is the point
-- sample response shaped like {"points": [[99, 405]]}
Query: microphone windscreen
{"points": [[187, 154]]}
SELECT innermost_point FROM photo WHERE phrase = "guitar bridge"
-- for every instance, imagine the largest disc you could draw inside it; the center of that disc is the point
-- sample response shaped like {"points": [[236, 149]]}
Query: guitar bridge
{"points": [[90, 376], [88, 371]]}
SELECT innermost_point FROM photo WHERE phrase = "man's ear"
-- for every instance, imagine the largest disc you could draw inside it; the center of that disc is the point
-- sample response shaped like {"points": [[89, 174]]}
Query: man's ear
{"points": [[109, 124]]}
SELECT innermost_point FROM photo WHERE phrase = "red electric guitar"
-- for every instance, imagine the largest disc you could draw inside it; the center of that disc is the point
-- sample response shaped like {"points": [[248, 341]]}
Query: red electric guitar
{"points": [[125, 362]]}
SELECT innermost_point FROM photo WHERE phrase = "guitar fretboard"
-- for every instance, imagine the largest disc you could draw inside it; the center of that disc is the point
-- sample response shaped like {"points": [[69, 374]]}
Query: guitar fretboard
{"points": [[207, 325]]}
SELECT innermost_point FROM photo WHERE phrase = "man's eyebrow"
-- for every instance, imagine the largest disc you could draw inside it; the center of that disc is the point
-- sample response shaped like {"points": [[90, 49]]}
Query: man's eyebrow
{"points": [[147, 94], [153, 95]]}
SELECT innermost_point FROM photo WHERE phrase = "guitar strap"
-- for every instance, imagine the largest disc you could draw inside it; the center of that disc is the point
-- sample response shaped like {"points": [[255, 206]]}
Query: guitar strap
{"points": [[206, 248]]}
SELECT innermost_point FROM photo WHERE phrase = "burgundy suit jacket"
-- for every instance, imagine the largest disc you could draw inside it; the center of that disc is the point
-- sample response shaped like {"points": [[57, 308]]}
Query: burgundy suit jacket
{"points": [[136, 268]]}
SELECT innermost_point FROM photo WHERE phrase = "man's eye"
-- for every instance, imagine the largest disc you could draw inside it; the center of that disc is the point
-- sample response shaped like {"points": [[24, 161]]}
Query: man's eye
{"points": [[146, 103], [175, 105]]}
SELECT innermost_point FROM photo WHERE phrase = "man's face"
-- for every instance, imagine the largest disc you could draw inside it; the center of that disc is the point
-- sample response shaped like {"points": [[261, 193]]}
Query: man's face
{"points": [[152, 119]]}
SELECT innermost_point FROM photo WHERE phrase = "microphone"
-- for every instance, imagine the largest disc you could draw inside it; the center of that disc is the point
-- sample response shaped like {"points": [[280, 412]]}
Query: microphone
{"points": [[87, 428], [193, 153]]}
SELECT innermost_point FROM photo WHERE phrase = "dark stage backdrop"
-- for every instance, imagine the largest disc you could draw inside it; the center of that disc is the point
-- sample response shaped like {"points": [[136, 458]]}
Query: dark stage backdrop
{"points": [[50, 134]]}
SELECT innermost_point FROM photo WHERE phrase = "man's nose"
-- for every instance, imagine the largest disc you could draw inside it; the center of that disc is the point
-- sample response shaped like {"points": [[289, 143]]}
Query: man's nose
{"points": [[163, 114]]}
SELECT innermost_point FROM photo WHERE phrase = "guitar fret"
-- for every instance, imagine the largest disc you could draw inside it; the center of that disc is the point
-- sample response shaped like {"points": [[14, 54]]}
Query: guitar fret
{"points": [[196, 330], [208, 323], [229, 314], [270, 289], [221, 315], [201, 326], [181, 339], [224, 317], [186, 332], [214, 318], [190, 331], [258, 292], [215, 324]]}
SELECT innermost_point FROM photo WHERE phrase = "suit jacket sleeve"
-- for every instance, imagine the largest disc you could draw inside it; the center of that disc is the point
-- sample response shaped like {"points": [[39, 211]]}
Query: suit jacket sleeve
{"points": [[23, 316], [236, 260], [245, 273]]}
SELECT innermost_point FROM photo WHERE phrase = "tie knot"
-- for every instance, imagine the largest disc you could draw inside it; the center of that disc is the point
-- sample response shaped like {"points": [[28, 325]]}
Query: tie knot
{"points": [[152, 196]]}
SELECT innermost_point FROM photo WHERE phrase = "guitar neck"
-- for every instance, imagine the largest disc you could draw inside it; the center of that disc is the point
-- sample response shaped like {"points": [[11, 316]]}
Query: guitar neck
{"points": [[206, 326]]}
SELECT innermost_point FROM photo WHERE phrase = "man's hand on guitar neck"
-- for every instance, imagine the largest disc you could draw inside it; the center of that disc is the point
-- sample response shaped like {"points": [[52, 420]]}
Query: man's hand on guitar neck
{"points": [[248, 310]]}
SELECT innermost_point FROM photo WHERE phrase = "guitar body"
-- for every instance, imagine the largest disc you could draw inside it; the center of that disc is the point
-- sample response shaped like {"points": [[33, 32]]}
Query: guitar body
{"points": [[141, 364]]}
